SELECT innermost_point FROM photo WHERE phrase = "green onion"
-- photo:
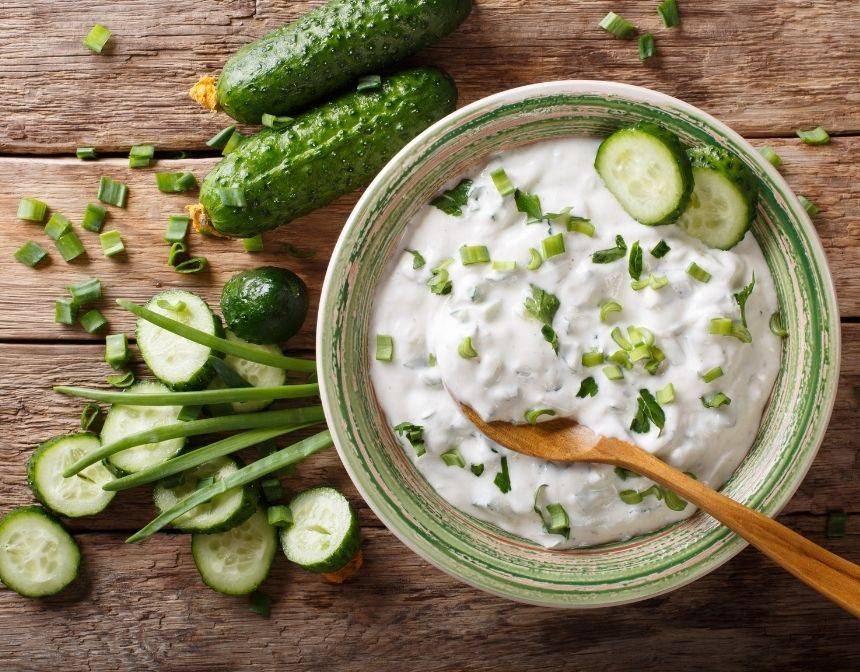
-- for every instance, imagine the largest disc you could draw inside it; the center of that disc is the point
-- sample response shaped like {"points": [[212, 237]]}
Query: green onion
{"points": [[192, 265], [272, 121], [740, 332], [30, 254], [607, 307], [272, 489], [630, 497], [57, 225], [69, 246], [439, 282], [639, 353], [720, 326], [617, 25], [660, 249], [453, 200], [384, 348], [252, 472], [612, 254], [593, 358], [808, 205], [529, 205], [503, 478], [466, 350], [140, 156], [646, 46], [453, 458], [553, 245], [236, 139], [621, 358], [533, 415], [177, 228], [236, 349], [89, 415], [502, 182], [176, 183], [474, 254], [368, 83], [559, 521], [414, 434], [671, 500], [220, 139], [196, 398], [418, 260], [580, 225], [815, 136], [93, 321], [835, 528], [65, 311], [97, 38], [741, 298], [260, 603], [31, 210], [86, 153], [535, 260], [668, 11], [94, 217], [771, 156], [618, 337], [116, 350], [715, 400], [504, 265], [624, 474], [652, 281], [541, 305], [111, 242], [666, 395], [253, 244], [477, 469], [712, 374], [112, 192], [279, 516], [698, 273], [588, 388], [634, 261], [178, 252], [612, 372], [776, 326], [121, 380]]}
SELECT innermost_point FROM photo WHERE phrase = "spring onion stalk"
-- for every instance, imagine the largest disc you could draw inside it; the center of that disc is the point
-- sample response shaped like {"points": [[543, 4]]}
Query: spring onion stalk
{"points": [[272, 121], [253, 244], [668, 11], [580, 225], [535, 260], [384, 348], [65, 311], [227, 374], [252, 472], [698, 273], [196, 398], [474, 254], [533, 415], [31, 210], [771, 156], [593, 358], [97, 38], [112, 192], [466, 350], [715, 400], [94, 218], [712, 374], [111, 242], [57, 225], [646, 46], [608, 307], [69, 246], [720, 326], [175, 183], [219, 344], [235, 139], [368, 83], [192, 265], [140, 156], [639, 353], [502, 182], [504, 266], [177, 228], [613, 372], [453, 458], [808, 205], [116, 350], [553, 245], [617, 25], [776, 326], [279, 516], [815, 136], [220, 139], [30, 254], [233, 197], [86, 153], [666, 395], [660, 250], [187, 413], [93, 321], [440, 280]]}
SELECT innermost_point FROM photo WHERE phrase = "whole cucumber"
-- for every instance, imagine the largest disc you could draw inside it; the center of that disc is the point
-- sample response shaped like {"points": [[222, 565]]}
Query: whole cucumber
{"points": [[326, 152], [328, 48]]}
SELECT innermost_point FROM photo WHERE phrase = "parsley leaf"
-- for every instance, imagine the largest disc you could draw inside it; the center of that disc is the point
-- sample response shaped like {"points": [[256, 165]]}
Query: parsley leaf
{"points": [[417, 259], [529, 204], [542, 305], [742, 296], [588, 388], [452, 201]]}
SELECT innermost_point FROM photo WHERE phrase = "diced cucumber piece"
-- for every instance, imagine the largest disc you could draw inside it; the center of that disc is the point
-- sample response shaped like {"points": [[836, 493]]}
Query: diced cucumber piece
{"points": [[79, 495], [177, 362], [647, 170], [237, 561], [723, 203], [259, 375], [37, 556], [220, 513], [123, 420], [325, 534]]}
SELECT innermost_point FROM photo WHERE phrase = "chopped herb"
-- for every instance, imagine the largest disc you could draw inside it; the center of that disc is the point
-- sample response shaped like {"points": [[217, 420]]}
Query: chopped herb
{"points": [[454, 200], [279, 516], [431, 360], [466, 350], [612, 254], [588, 388], [503, 478], [253, 244], [529, 204], [666, 395], [453, 458], [607, 307], [112, 192], [502, 182], [741, 298], [272, 488], [720, 326], [89, 415], [57, 225], [552, 245], [771, 156], [550, 336], [836, 524], [535, 260], [177, 228], [640, 423], [369, 83], [668, 11], [93, 321], [69, 246], [815, 136], [477, 469], [672, 501], [474, 254], [178, 182], [592, 358], [646, 46], [809, 206], [555, 519], [94, 217], [776, 326], [655, 412], [30, 254], [660, 250], [740, 332], [178, 252], [541, 305], [619, 338], [715, 400], [504, 265], [414, 434], [31, 210], [97, 38], [624, 474], [65, 311], [116, 350], [417, 259], [612, 372], [652, 281], [111, 243], [440, 282], [299, 252], [580, 225], [384, 348], [634, 261], [192, 265], [698, 273], [616, 25], [140, 156], [86, 153], [272, 121], [533, 415], [220, 139]]}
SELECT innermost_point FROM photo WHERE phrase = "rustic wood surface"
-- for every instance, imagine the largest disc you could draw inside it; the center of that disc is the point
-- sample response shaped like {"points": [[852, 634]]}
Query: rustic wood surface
{"points": [[765, 67]]}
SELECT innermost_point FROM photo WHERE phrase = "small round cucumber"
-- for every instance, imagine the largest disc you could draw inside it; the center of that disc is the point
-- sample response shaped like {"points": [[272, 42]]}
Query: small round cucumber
{"points": [[37, 556], [220, 513], [259, 375], [264, 305], [122, 420], [237, 561], [647, 170], [723, 203], [80, 495], [325, 534], [177, 362]]}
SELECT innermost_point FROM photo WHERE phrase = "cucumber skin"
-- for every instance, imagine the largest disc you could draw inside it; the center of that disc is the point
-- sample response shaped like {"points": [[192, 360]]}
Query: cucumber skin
{"points": [[326, 152], [730, 165], [328, 48]]}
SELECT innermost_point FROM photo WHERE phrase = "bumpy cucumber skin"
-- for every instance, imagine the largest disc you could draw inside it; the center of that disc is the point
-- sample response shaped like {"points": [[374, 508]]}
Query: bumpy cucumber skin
{"points": [[264, 305], [327, 49], [679, 154], [326, 152]]}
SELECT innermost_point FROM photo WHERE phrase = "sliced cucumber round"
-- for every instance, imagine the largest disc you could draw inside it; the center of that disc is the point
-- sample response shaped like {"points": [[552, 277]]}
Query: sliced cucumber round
{"points": [[220, 513], [79, 495], [646, 169], [723, 203], [177, 362], [325, 534], [122, 420], [259, 375], [37, 556], [237, 561]]}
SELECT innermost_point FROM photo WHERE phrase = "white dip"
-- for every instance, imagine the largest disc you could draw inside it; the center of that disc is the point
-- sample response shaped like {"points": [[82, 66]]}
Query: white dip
{"points": [[516, 369]]}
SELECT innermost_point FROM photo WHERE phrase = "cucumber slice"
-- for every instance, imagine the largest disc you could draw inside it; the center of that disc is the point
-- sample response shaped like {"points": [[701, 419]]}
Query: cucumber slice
{"points": [[325, 534], [259, 375], [724, 198], [177, 362], [80, 495], [237, 561], [37, 556], [222, 512], [122, 420], [647, 170]]}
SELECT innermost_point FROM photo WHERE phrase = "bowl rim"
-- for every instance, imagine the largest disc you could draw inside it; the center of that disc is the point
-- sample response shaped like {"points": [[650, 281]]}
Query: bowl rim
{"points": [[717, 555]]}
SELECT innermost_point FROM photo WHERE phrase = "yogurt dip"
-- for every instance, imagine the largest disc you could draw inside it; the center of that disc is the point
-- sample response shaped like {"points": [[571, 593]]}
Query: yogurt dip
{"points": [[510, 366]]}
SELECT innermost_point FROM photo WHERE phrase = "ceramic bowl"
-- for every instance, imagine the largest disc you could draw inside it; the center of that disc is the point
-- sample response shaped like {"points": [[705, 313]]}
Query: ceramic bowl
{"points": [[477, 552]]}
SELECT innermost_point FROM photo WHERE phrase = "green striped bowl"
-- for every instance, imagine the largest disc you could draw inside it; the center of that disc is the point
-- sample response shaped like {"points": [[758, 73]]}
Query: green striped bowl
{"points": [[482, 554]]}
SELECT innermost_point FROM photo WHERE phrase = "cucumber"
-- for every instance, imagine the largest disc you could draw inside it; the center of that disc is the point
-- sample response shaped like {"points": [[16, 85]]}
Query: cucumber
{"points": [[325, 534], [237, 561], [326, 49], [37, 556], [180, 364], [326, 152], [80, 495], [264, 305], [647, 170], [259, 375], [122, 420], [724, 199], [219, 514]]}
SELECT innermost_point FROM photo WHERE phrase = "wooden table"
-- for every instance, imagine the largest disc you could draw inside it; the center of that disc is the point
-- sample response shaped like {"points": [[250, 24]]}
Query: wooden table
{"points": [[765, 67]]}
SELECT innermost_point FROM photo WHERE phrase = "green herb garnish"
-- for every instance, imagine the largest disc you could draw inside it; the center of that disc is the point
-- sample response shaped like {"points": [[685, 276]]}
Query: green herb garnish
{"points": [[453, 200]]}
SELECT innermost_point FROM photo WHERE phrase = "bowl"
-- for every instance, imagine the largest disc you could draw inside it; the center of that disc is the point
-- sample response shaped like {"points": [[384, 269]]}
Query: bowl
{"points": [[477, 552]]}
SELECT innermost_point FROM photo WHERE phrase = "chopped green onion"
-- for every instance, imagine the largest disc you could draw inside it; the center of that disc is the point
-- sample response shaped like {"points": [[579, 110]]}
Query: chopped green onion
{"points": [[453, 201], [414, 434], [85, 292], [97, 38], [671, 500], [253, 244], [31, 209], [272, 489], [698, 273], [368, 83], [112, 192], [504, 265], [668, 11], [197, 398], [712, 374], [612, 254], [178, 251], [541, 305], [634, 261], [466, 350], [453, 458], [418, 260], [776, 326], [384, 348], [593, 358], [474, 254], [65, 311], [808, 205], [57, 225], [836, 524], [771, 156], [815, 136], [477, 469], [741, 298], [621, 358], [639, 353], [612, 372], [111, 242], [177, 228], [617, 25], [720, 326], [86, 153], [740, 332], [89, 415], [529, 205], [580, 225], [502, 182], [121, 380], [660, 249], [533, 415], [299, 252], [94, 217], [236, 139], [272, 121], [440, 282], [30, 254], [177, 182], [553, 245], [646, 46], [192, 265], [630, 497], [607, 307], [535, 260], [220, 139], [618, 337], [652, 281], [666, 395], [140, 156], [624, 474], [116, 350], [559, 523], [431, 360], [233, 197], [588, 388], [715, 400], [93, 321], [502, 479], [69, 246], [279, 516]]}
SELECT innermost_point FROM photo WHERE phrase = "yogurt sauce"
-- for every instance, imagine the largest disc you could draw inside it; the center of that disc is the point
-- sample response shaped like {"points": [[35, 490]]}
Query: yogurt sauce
{"points": [[516, 369]]}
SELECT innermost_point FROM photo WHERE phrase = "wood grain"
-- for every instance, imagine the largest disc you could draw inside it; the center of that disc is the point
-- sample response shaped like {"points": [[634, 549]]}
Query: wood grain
{"points": [[765, 67]]}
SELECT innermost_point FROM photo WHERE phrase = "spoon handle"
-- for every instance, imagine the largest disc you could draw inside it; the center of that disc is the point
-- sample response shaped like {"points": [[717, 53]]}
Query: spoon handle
{"points": [[834, 577]]}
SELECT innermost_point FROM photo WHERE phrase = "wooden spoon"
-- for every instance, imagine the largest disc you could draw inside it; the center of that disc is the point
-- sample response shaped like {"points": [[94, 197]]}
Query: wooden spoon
{"points": [[563, 440]]}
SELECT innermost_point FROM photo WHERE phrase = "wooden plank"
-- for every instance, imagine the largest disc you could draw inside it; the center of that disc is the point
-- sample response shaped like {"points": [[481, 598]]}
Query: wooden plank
{"points": [[764, 66], [142, 607]]}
